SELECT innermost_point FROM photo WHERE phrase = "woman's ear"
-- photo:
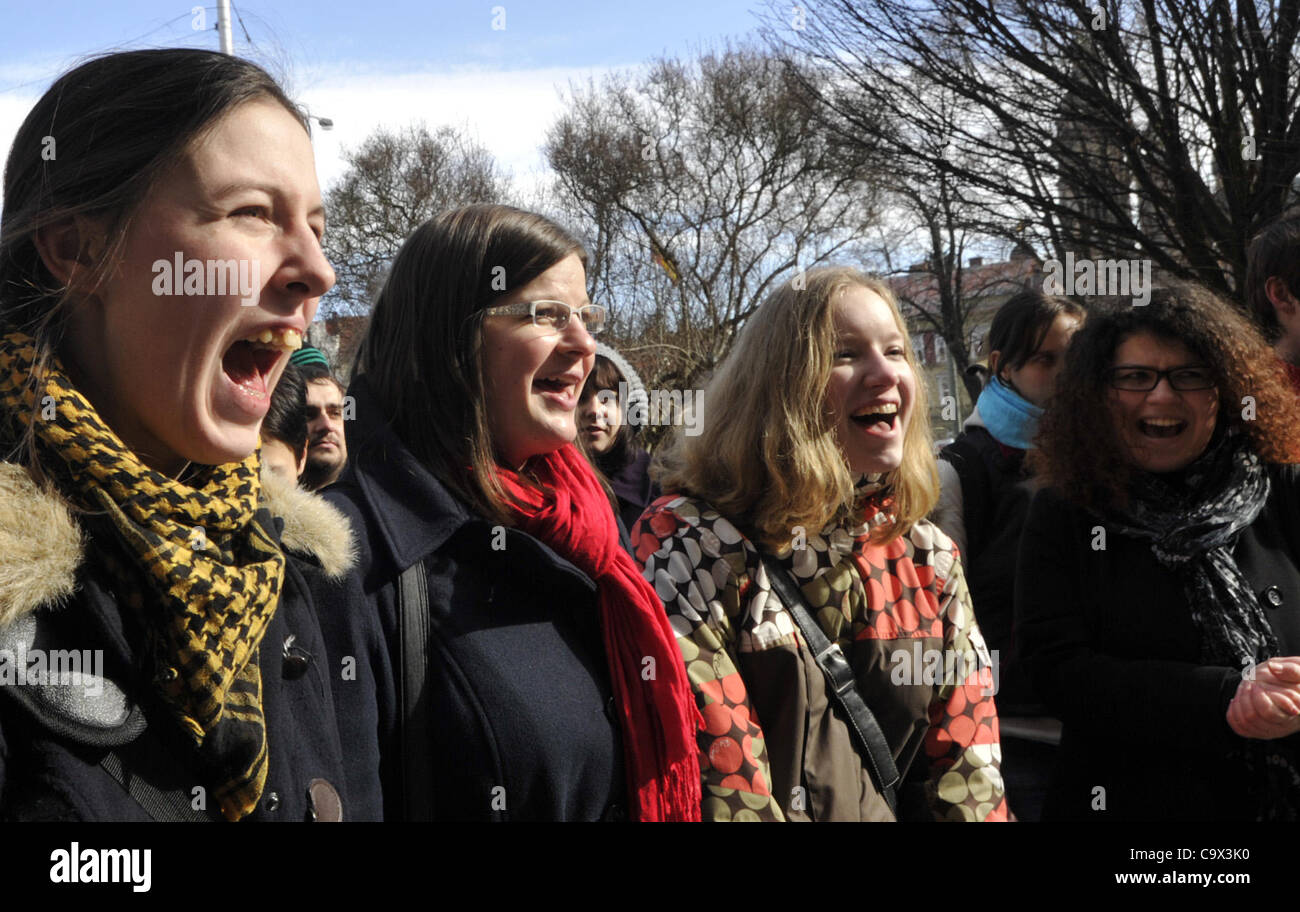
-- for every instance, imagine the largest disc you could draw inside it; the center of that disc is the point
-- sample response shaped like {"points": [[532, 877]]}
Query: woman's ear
{"points": [[994, 358], [71, 248]]}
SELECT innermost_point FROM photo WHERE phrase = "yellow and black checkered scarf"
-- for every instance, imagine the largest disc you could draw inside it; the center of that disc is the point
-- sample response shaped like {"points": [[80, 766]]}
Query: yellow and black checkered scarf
{"points": [[202, 575]]}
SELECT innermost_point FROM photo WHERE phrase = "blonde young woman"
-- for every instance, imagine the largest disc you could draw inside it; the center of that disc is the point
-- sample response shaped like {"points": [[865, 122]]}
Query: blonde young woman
{"points": [[826, 466]]}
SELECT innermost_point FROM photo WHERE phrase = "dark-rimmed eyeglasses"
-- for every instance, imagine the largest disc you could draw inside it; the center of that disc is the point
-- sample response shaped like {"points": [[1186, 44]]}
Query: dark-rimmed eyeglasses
{"points": [[1145, 379], [553, 315]]}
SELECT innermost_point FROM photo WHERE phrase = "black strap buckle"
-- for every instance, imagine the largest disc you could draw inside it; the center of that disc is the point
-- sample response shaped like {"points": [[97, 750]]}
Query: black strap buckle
{"points": [[832, 661]]}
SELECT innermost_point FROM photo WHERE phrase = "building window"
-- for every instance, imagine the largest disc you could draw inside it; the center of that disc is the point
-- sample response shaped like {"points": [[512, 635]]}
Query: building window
{"points": [[940, 349]]}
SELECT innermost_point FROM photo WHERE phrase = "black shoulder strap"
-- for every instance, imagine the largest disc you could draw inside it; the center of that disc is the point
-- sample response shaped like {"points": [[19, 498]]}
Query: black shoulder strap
{"points": [[133, 766], [416, 722], [843, 686]]}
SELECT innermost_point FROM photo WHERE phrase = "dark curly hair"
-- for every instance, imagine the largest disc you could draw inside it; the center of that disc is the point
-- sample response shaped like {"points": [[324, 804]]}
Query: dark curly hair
{"points": [[1080, 452]]}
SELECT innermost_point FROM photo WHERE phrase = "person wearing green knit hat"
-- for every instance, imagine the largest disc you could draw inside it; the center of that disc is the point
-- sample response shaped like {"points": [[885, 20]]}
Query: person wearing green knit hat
{"points": [[309, 355], [327, 451]]}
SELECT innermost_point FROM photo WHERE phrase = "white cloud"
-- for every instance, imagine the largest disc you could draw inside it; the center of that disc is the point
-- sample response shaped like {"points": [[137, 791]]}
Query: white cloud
{"points": [[508, 111], [13, 108]]}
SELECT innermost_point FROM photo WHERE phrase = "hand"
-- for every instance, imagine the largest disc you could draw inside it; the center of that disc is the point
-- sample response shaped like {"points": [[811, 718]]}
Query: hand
{"points": [[1269, 706]]}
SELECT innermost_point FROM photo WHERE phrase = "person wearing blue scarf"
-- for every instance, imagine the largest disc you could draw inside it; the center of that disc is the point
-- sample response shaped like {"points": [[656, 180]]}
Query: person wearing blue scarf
{"points": [[1008, 416], [984, 500]]}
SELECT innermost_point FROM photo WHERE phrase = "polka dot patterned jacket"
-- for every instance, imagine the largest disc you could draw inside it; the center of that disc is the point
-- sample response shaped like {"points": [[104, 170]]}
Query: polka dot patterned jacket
{"points": [[772, 748]]}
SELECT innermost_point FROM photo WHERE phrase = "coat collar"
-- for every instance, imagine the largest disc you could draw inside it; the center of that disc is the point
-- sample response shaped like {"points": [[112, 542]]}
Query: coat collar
{"points": [[412, 510], [312, 526], [42, 547]]}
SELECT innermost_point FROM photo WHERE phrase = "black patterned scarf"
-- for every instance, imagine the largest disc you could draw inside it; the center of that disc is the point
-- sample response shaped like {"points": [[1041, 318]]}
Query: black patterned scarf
{"points": [[1192, 528], [202, 576]]}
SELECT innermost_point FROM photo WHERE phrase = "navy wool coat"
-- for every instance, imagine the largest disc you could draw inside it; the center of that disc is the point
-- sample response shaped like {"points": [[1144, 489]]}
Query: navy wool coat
{"points": [[523, 717]]}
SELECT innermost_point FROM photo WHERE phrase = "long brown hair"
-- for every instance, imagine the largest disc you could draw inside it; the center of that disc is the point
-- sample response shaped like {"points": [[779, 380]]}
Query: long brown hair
{"points": [[94, 145], [768, 457], [1079, 447], [422, 352]]}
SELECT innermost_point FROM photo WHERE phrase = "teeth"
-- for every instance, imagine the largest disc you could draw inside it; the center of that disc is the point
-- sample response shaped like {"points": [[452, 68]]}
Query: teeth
{"points": [[888, 408], [1162, 422], [280, 339]]}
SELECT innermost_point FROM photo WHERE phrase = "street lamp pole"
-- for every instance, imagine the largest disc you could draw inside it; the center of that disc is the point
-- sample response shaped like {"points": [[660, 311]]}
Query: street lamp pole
{"points": [[223, 27]]}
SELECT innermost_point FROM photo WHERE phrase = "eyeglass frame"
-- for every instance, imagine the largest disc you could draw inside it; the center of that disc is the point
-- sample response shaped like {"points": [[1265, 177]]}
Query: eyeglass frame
{"points": [[1160, 375], [530, 308]]}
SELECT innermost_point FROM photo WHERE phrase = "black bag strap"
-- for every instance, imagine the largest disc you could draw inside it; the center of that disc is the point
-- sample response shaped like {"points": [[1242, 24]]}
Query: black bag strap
{"points": [[132, 767], [416, 723], [830, 658]]}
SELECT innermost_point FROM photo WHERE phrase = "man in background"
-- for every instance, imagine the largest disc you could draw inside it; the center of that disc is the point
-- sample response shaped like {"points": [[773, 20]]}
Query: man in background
{"points": [[1272, 283], [327, 451]]}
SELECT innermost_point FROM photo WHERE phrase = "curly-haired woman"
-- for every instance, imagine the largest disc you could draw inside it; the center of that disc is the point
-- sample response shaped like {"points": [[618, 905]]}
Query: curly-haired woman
{"points": [[831, 478], [1162, 563]]}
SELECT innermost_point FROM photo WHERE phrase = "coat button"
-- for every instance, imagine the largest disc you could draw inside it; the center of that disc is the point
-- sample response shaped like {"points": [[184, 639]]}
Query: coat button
{"points": [[271, 802], [611, 709], [614, 814], [1272, 597], [167, 674], [296, 659], [324, 802]]}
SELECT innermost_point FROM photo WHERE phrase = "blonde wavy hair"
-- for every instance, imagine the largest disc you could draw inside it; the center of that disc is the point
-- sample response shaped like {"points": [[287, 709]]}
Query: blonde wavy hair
{"points": [[767, 457]]}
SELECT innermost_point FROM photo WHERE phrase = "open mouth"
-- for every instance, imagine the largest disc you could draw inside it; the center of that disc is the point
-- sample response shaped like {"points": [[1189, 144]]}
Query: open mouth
{"points": [[553, 384], [563, 389], [878, 418], [250, 361], [1161, 427]]}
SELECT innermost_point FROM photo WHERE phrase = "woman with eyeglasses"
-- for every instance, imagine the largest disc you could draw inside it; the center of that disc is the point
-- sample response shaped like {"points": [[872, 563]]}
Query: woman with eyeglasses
{"points": [[1158, 584], [521, 669]]}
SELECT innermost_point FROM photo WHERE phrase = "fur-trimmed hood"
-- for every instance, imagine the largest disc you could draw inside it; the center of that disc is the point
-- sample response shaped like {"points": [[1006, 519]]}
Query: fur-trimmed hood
{"points": [[41, 545], [312, 526]]}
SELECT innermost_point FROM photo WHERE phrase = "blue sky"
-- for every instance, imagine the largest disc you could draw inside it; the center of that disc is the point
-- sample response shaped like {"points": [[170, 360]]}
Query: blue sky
{"points": [[401, 34], [385, 62]]}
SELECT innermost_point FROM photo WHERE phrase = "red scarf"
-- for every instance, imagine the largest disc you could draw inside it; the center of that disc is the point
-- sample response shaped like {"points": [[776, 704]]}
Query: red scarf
{"points": [[659, 716]]}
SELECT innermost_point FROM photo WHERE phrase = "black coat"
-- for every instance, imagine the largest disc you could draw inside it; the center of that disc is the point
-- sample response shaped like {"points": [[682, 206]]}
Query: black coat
{"points": [[53, 739], [632, 486], [995, 501], [518, 682], [1109, 639]]}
